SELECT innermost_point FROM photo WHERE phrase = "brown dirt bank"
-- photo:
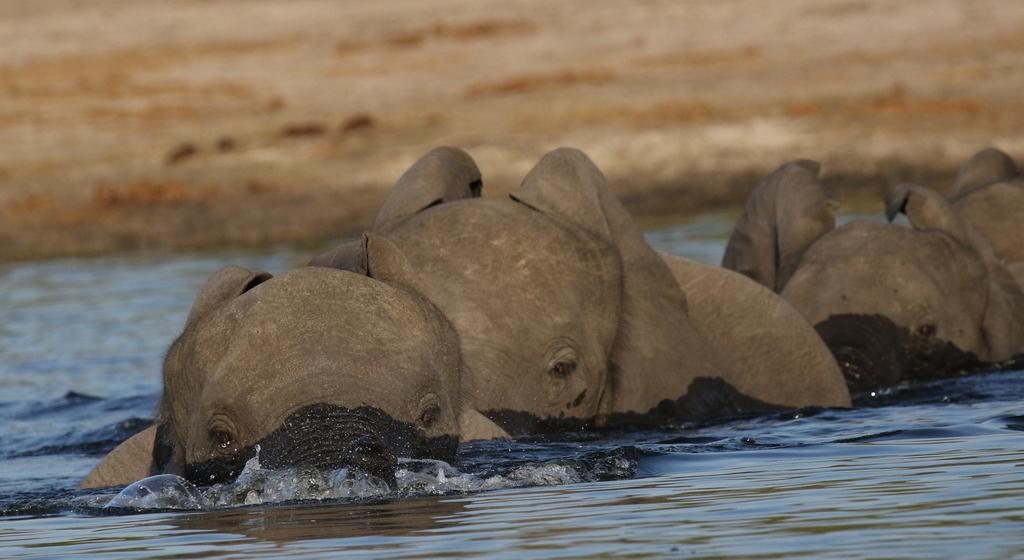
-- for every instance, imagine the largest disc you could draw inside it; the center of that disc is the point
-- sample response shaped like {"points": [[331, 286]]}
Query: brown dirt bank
{"points": [[186, 123]]}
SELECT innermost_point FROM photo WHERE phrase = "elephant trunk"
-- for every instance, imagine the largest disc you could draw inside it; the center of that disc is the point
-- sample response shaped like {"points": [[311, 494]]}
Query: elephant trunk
{"points": [[327, 437], [870, 349]]}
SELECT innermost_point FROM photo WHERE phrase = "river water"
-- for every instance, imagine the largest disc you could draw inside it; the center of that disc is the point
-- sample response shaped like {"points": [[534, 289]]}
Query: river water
{"points": [[932, 470]]}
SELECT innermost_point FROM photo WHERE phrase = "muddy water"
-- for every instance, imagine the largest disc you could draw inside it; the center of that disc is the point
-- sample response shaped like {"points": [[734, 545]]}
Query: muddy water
{"points": [[934, 470]]}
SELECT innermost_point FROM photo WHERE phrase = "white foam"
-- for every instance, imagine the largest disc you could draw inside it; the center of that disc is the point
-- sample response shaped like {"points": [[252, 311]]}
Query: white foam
{"points": [[256, 485]]}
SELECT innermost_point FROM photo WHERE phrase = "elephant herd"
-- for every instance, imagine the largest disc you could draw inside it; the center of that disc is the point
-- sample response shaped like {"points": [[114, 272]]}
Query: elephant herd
{"points": [[458, 317]]}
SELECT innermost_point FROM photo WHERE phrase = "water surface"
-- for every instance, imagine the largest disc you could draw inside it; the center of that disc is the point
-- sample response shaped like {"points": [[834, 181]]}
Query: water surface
{"points": [[934, 470]]}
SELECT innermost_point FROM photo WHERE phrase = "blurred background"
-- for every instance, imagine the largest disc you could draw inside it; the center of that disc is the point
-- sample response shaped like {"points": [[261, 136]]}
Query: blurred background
{"points": [[188, 123]]}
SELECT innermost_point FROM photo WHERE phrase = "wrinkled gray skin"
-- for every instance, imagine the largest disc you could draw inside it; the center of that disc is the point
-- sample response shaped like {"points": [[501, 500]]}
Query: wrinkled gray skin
{"points": [[567, 316], [989, 195], [295, 364], [893, 302]]}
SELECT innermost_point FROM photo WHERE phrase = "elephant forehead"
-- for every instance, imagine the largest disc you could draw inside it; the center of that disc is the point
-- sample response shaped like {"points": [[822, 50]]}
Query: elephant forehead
{"points": [[499, 269], [324, 310], [491, 248], [328, 336]]}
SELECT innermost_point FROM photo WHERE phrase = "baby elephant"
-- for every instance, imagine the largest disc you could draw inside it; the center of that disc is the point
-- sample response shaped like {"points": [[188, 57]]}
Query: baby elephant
{"points": [[317, 368], [892, 303]]}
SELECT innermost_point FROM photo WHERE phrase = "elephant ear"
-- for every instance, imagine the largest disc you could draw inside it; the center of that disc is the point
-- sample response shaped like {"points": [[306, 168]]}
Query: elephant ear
{"points": [[988, 166], [130, 461], [223, 286], [784, 215], [444, 174], [383, 260], [371, 255], [778, 356], [568, 185], [926, 210], [347, 256], [475, 426], [654, 334]]}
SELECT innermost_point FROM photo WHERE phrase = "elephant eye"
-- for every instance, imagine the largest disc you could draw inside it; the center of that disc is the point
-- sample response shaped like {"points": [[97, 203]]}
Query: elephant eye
{"points": [[429, 416], [221, 439], [563, 368]]}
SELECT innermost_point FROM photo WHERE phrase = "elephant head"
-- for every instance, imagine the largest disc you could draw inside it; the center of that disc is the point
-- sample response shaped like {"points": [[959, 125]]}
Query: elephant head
{"points": [[317, 368], [895, 302], [535, 302]]}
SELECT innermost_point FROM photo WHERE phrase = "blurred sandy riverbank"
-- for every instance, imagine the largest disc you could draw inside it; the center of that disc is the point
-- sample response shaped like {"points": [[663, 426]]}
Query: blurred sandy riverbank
{"points": [[194, 123]]}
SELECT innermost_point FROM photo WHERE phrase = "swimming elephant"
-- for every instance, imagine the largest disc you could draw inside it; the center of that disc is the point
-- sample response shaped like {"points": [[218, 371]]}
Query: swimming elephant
{"points": [[892, 302], [316, 368], [567, 318], [989, 194]]}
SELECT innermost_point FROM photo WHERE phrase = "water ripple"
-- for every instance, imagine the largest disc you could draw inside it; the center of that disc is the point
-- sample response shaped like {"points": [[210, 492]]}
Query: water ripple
{"points": [[926, 470]]}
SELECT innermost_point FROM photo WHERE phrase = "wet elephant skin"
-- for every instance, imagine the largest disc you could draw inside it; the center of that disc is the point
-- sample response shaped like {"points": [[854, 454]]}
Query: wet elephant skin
{"points": [[324, 436]]}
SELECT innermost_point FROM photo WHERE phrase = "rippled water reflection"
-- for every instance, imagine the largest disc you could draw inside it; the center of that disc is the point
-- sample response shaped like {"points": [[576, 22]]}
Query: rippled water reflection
{"points": [[935, 470]]}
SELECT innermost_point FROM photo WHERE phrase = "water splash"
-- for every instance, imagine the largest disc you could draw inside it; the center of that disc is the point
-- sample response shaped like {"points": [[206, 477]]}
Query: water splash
{"points": [[163, 491], [415, 477]]}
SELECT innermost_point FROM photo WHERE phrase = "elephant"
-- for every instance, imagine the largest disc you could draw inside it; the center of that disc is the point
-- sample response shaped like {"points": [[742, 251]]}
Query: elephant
{"points": [[462, 318], [316, 368], [989, 194], [893, 303], [568, 319]]}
